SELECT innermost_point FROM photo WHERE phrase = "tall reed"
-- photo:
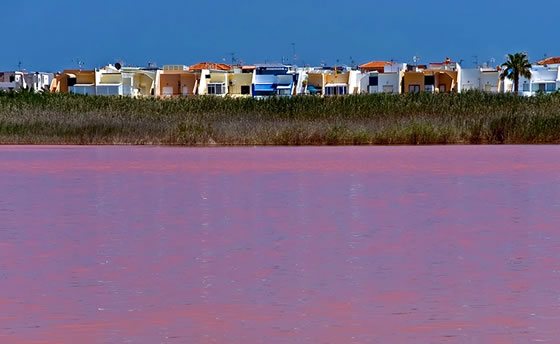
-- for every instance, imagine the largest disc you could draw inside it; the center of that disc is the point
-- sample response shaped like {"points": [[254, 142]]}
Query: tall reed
{"points": [[471, 117]]}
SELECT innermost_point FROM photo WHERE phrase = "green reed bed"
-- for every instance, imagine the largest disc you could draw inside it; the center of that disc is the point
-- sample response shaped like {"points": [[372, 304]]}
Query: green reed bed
{"points": [[471, 118]]}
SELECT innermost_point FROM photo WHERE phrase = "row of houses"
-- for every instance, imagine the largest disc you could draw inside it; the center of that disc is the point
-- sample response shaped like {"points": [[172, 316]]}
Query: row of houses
{"points": [[263, 80]]}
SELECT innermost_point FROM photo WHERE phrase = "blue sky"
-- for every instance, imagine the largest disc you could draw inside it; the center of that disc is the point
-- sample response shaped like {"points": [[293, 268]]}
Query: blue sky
{"points": [[53, 34]]}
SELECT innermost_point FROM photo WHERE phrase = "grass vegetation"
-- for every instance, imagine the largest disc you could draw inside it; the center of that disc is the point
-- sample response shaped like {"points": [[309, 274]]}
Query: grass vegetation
{"points": [[467, 118]]}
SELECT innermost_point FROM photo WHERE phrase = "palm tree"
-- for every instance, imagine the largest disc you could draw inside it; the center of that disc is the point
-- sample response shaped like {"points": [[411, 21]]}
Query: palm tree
{"points": [[516, 65]]}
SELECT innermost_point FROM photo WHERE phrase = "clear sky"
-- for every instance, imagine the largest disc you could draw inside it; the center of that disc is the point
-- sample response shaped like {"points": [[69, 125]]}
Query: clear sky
{"points": [[54, 34]]}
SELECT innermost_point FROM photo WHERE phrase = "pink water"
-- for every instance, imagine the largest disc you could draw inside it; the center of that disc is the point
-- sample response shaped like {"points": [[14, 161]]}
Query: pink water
{"points": [[280, 245]]}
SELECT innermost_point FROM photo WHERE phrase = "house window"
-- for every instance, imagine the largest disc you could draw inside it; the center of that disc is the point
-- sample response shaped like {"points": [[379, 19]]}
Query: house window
{"points": [[12, 78], [525, 87], [245, 89], [429, 80], [373, 80], [442, 88], [413, 88], [216, 88], [335, 90], [550, 87]]}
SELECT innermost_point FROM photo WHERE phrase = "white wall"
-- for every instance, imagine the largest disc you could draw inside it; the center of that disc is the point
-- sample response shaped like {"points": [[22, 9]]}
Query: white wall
{"points": [[355, 80], [470, 79], [388, 81]]}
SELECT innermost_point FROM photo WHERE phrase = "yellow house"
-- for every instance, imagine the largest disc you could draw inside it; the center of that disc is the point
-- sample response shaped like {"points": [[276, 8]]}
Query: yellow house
{"points": [[434, 78], [315, 82], [213, 82], [177, 80], [143, 80], [326, 82], [240, 83], [336, 83], [112, 81], [74, 81]]}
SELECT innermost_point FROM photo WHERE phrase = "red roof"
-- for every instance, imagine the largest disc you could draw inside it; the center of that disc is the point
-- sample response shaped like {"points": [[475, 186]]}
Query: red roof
{"points": [[549, 60], [375, 65], [210, 65]]}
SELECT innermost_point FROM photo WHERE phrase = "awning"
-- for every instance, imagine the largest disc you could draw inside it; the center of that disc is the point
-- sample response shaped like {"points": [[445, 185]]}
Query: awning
{"points": [[264, 87], [70, 75], [336, 85], [284, 87]]}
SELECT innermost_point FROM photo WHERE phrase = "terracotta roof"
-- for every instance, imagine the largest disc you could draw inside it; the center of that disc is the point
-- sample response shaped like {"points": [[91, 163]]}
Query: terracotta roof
{"points": [[210, 65], [550, 60], [375, 64]]}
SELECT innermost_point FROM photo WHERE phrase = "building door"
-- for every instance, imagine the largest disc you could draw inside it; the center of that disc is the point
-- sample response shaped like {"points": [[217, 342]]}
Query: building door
{"points": [[168, 90]]}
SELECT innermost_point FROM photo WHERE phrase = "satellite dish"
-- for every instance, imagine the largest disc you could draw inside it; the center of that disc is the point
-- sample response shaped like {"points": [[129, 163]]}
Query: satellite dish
{"points": [[118, 66]]}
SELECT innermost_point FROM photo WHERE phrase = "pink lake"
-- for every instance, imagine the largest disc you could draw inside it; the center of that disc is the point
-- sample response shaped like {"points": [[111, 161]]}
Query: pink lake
{"points": [[442, 244]]}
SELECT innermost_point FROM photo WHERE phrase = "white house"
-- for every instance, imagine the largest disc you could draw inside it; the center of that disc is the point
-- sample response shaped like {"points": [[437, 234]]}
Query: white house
{"points": [[383, 77], [35, 81], [544, 79], [38, 81], [275, 80], [112, 80], [10, 81], [480, 79]]}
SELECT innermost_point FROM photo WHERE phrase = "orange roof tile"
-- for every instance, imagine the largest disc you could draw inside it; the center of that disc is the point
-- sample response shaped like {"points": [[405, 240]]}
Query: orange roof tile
{"points": [[210, 65], [375, 64], [549, 60]]}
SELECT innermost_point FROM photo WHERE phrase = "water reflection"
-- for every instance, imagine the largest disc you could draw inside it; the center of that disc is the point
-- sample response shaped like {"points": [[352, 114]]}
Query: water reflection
{"points": [[373, 244]]}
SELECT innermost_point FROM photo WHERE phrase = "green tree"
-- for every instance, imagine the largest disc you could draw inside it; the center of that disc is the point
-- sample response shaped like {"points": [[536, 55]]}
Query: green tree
{"points": [[516, 65]]}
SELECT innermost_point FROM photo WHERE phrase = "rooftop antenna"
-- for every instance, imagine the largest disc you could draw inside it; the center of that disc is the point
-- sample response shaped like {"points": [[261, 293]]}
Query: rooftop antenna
{"points": [[79, 62], [492, 61], [475, 60], [415, 59], [19, 66], [233, 59], [294, 57]]}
